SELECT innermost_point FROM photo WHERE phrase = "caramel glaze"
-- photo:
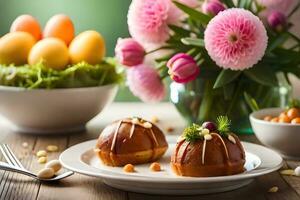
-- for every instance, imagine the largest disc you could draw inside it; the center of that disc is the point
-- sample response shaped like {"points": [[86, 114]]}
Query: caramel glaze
{"points": [[127, 137], [214, 157]]}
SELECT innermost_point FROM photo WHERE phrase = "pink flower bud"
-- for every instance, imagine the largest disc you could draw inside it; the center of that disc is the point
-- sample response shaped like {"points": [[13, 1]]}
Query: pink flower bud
{"points": [[277, 20], [183, 68], [129, 52], [212, 7]]}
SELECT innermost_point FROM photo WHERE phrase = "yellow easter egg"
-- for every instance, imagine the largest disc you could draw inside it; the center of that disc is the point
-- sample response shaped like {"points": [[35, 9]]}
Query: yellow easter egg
{"points": [[52, 52], [88, 46], [15, 47]]}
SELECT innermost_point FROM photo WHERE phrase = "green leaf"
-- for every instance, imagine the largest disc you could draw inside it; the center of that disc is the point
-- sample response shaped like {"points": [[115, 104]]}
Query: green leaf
{"points": [[262, 75], [228, 90], [179, 30], [229, 3], [226, 76], [193, 42], [244, 3], [194, 14], [277, 42], [296, 38], [251, 102]]}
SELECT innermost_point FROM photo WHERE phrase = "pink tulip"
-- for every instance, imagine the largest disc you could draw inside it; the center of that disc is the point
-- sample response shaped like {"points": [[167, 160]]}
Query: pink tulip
{"points": [[129, 52], [277, 20], [145, 83], [183, 68], [212, 7]]}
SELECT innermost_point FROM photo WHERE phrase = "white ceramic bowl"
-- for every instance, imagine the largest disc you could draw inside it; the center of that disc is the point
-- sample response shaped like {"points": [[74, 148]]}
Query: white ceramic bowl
{"points": [[53, 110], [282, 137]]}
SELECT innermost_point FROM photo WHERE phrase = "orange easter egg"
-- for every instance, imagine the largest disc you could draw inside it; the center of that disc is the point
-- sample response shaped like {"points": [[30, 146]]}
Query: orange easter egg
{"points": [[27, 23], [60, 26]]}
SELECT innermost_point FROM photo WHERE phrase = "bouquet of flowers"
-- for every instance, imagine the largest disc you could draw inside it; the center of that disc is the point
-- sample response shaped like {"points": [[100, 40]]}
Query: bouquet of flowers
{"points": [[226, 55]]}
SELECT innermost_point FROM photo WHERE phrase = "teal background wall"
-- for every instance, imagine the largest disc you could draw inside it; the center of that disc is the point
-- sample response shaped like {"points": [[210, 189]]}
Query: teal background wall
{"points": [[109, 17]]}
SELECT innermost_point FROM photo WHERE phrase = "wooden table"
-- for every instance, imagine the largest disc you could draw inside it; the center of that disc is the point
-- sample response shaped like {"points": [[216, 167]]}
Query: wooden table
{"points": [[19, 187]]}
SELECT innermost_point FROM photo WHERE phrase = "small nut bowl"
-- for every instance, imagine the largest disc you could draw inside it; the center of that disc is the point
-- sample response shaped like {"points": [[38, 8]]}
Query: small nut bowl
{"points": [[282, 137], [50, 111]]}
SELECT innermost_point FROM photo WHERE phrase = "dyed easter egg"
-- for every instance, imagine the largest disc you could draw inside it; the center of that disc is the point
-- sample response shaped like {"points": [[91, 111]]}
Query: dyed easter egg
{"points": [[15, 47], [51, 51], [88, 46], [60, 26], [27, 23]]}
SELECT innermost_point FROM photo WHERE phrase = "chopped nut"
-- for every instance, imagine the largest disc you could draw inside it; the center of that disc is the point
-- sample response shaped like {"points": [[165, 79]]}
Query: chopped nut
{"points": [[52, 148], [129, 168], [42, 160], [25, 144], [231, 139], [273, 189], [147, 125], [170, 129], [135, 121], [155, 167], [205, 131], [268, 118], [54, 164], [297, 171], [287, 172], [41, 153], [154, 119], [207, 137], [46, 173]]}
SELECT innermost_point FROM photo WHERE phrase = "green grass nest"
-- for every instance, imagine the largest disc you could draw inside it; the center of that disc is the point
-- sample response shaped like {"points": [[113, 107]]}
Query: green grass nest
{"points": [[74, 76]]}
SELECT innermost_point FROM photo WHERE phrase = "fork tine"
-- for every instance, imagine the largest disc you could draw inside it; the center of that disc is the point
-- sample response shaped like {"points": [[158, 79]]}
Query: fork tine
{"points": [[13, 156], [6, 155]]}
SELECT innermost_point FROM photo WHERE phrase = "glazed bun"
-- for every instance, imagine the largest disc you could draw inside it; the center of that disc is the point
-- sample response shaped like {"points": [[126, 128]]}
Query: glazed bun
{"points": [[209, 155], [130, 140]]}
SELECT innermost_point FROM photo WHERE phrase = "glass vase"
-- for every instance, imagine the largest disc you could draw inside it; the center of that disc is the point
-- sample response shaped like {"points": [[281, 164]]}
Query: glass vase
{"points": [[197, 101]]}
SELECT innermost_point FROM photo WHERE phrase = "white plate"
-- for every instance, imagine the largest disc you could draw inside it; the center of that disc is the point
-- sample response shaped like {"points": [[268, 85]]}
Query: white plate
{"points": [[82, 159]]}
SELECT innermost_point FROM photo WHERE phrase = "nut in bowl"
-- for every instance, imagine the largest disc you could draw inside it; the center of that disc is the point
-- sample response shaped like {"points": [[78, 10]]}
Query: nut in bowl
{"points": [[277, 134]]}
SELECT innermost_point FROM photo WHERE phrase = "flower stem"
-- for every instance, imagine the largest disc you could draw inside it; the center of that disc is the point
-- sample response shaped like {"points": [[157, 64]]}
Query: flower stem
{"points": [[157, 49], [235, 96]]}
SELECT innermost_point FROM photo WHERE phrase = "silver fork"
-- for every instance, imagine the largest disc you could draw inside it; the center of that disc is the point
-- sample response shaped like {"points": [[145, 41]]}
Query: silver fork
{"points": [[16, 166]]}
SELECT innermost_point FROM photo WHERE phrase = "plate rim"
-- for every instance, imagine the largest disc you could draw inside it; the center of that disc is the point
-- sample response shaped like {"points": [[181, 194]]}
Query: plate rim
{"points": [[88, 170]]}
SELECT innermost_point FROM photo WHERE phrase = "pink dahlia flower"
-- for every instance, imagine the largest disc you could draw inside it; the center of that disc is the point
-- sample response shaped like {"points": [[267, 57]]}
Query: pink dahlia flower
{"points": [[148, 20], [129, 52], [235, 39], [183, 68], [145, 83]]}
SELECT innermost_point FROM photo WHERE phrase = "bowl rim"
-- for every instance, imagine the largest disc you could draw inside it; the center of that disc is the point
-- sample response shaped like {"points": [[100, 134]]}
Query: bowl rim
{"points": [[261, 121], [22, 89]]}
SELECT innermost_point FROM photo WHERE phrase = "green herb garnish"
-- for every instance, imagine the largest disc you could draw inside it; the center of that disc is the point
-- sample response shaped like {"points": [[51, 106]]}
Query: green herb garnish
{"points": [[192, 133], [223, 125], [74, 76]]}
